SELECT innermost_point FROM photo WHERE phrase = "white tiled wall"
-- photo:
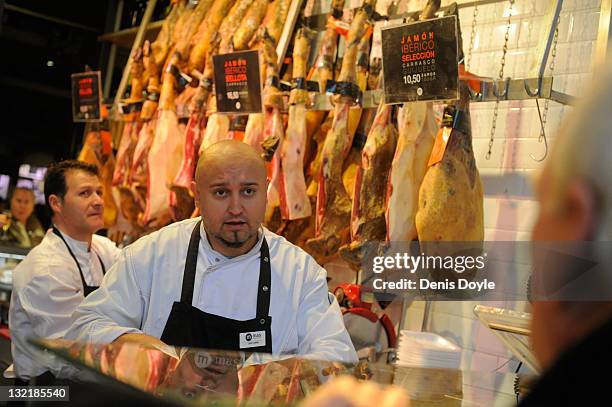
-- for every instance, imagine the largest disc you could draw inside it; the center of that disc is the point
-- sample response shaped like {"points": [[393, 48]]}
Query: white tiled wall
{"points": [[509, 206]]}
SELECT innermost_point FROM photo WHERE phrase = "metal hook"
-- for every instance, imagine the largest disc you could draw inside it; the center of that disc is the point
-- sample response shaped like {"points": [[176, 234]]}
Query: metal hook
{"points": [[529, 91], [506, 85], [542, 136], [476, 96]]}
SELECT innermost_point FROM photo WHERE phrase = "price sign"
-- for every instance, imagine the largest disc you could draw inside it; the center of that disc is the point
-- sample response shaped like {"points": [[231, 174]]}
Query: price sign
{"points": [[420, 61], [237, 82], [86, 97]]}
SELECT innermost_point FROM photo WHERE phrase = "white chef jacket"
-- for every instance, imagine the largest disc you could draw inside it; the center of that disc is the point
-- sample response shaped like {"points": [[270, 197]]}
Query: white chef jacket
{"points": [[139, 290], [47, 288]]}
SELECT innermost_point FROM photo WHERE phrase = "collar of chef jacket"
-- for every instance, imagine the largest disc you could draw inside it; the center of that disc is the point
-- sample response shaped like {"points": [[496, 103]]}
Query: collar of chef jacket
{"points": [[86, 256], [216, 258]]}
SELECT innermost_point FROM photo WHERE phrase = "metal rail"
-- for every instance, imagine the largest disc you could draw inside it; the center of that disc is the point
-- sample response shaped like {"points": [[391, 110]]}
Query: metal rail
{"points": [[490, 91]]}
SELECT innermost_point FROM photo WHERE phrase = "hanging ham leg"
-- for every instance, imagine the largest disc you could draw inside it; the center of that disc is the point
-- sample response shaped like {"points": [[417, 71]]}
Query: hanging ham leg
{"points": [[164, 159], [151, 77], [450, 206], [276, 21], [254, 131], [361, 79], [254, 134], [125, 152], [273, 22], [274, 130], [294, 201], [417, 130], [315, 165], [249, 25], [322, 71], [353, 161], [451, 197], [231, 24], [273, 125], [206, 33], [333, 203], [129, 136], [162, 44], [368, 211], [193, 138], [217, 127]]}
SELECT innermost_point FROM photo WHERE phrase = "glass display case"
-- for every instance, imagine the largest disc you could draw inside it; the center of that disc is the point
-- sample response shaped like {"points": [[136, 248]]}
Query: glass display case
{"points": [[513, 330], [187, 376], [10, 257]]}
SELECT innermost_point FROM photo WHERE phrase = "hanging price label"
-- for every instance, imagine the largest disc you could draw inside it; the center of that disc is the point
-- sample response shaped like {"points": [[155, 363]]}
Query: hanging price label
{"points": [[86, 97], [420, 61], [237, 83]]}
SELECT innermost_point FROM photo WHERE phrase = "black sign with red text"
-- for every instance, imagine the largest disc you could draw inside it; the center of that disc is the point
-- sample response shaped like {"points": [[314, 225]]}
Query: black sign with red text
{"points": [[86, 97], [420, 61], [237, 82]]}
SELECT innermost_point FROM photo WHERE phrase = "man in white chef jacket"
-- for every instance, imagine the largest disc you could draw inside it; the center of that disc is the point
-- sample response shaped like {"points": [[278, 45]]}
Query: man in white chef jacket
{"points": [[222, 281], [63, 269]]}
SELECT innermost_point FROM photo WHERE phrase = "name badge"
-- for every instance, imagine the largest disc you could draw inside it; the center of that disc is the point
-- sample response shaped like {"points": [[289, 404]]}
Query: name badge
{"points": [[252, 339]]}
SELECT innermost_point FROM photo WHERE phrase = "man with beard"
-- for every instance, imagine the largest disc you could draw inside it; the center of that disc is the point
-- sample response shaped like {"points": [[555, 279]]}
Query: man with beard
{"points": [[221, 281]]}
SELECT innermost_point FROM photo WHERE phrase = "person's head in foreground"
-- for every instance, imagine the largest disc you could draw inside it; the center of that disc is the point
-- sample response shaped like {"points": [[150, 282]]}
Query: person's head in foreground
{"points": [[230, 190], [73, 192], [22, 204], [575, 193]]}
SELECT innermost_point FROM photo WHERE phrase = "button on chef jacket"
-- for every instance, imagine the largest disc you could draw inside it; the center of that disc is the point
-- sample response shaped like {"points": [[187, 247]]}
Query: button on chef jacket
{"points": [[139, 290], [47, 288]]}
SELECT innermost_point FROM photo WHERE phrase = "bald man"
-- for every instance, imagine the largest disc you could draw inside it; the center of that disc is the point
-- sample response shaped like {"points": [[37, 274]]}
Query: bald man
{"points": [[221, 281]]}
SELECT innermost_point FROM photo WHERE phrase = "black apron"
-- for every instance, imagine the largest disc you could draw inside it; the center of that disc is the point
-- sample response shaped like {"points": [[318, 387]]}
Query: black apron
{"points": [[47, 378], [87, 289], [190, 326]]}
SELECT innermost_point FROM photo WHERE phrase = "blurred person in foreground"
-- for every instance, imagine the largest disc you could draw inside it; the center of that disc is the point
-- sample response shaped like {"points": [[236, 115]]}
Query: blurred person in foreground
{"points": [[64, 268], [571, 339], [21, 227]]}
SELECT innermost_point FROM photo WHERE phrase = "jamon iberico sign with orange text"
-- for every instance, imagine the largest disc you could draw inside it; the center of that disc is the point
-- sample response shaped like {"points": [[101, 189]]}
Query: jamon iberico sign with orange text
{"points": [[237, 82], [420, 61]]}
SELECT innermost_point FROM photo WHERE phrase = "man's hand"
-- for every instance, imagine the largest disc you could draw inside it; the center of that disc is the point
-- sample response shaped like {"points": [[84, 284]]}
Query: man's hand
{"points": [[346, 391]]}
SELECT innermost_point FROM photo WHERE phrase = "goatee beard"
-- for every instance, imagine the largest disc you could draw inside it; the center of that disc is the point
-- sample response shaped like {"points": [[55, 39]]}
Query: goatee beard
{"points": [[236, 244]]}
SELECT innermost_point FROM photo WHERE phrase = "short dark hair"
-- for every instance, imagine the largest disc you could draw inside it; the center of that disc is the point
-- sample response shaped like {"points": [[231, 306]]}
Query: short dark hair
{"points": [[55, 178]]}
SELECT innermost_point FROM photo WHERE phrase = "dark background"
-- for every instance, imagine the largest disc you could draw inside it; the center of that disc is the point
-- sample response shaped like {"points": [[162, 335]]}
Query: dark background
{"points": [[35, 105]]}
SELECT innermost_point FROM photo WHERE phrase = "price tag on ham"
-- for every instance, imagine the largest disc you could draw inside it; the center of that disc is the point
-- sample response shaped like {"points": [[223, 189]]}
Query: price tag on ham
{"points": [[237, 83], [86, 97], [420, 61]]}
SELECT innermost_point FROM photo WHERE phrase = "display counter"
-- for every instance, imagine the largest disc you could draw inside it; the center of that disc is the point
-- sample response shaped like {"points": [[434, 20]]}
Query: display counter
{"points": [[10, 257], [187, 376]]}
